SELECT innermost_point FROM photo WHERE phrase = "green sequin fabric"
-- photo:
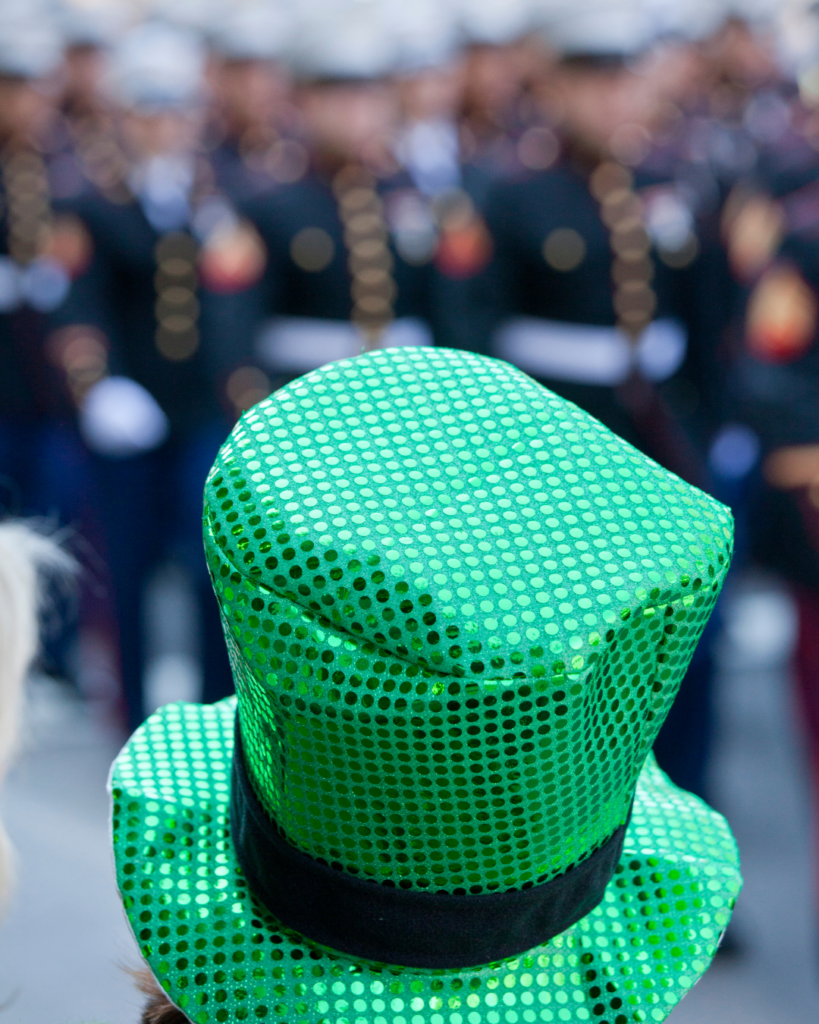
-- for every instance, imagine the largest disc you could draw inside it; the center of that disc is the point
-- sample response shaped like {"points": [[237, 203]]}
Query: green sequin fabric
{"points": [[458, 609], [222, 957]]}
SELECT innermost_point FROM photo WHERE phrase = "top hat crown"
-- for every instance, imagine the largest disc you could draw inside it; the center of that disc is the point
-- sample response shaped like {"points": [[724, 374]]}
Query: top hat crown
{"points": [[458, 609]]}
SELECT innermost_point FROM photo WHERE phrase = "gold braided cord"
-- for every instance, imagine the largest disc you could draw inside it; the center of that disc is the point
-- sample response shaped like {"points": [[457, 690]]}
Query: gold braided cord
{"points": [[369, 258], [635, 301], [28, 202], [176, 280], [177, 307]]}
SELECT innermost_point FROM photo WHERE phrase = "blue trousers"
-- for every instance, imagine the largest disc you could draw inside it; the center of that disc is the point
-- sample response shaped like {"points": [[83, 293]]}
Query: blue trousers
{"points": [[152, 510], [684, 745]]}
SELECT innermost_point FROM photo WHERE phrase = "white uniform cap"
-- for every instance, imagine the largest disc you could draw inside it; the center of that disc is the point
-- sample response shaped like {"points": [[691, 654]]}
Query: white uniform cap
{"points": [[254, 30], [496, 22], [344, 39], [761, 13], [30, 46], [194, 15], [89, 22], [156, 66], [599, 28], [690, 20], [428, 33], [798, 36], [794, 42]]}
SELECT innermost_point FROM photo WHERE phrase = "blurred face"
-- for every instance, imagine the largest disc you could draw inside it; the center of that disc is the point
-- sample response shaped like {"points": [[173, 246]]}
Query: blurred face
{"points": [[742, 55], [24, 111], [82, 70], [349, 121], [602, 108], [434, 93], [161, 133], [492, 79], [678, 73], [250, 93]]}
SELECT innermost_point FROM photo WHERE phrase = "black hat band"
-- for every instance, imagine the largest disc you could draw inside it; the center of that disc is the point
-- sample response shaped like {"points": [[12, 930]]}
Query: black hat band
{"points": [[406, 927]]}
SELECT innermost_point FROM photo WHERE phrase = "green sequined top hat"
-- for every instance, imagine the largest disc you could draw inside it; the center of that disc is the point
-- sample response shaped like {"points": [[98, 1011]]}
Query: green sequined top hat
{"points": [[458, 609]]}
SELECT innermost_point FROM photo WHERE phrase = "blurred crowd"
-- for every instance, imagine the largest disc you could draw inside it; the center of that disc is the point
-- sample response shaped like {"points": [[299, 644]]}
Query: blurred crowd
{"points": [[203, 199]]}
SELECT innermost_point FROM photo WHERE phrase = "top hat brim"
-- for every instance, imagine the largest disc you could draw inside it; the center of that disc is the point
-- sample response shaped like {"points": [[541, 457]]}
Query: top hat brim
{"points": [[221, 956]]}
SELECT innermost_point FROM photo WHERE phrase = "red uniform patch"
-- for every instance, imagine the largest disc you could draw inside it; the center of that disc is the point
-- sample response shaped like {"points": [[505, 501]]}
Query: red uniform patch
{"points": [[232, 259], [69, 244], [464, 247], [782, 315]]}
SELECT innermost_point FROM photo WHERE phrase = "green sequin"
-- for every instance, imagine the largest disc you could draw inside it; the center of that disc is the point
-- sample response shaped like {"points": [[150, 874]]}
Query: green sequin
{"points": [[458, 609], [222, 957]]}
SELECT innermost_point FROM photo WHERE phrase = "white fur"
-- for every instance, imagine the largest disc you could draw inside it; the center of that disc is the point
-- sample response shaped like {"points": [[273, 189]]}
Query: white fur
{"points": [[24, 556]]}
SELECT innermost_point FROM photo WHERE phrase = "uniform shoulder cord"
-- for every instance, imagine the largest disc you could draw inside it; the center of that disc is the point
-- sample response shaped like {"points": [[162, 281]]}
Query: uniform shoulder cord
{"points": [[28, 203], [176, 280], [176, 252], [635, 301], [80, 350], [369, 258]]}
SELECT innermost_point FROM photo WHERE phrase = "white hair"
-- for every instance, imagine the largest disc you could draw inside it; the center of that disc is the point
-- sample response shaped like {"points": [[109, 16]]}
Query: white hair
{"points": [[26, 556]]}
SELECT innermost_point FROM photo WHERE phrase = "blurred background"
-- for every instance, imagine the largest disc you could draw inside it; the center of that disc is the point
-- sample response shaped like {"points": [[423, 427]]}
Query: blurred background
{"points": [[201, 200]]}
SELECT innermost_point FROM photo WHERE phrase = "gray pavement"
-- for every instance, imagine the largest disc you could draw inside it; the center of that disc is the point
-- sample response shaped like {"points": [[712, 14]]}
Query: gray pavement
{"points": [[759, 782], [65, 942]]}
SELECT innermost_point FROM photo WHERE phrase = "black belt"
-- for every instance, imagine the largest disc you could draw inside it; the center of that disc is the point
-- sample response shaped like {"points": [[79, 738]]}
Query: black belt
{"points": [[407, 927]]}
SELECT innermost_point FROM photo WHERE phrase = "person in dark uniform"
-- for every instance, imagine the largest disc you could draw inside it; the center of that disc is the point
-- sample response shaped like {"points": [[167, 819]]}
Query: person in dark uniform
{"points": [[451, 182], [43, 468], [343, 267], [497, 60], [26, 397], [595, 262], [431, 79], [80, 140], [592, 287], [250, 134], [148, 408], [774, 385]]}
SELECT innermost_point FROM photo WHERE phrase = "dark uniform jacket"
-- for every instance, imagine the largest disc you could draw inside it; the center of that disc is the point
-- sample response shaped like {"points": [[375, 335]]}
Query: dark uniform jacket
{"points": [[307, 274], [118, 293], [290, 290], [19, 354], [776, 393], [521, 214], [31, 386], [235, 176]]}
